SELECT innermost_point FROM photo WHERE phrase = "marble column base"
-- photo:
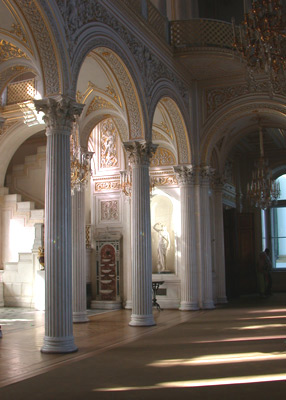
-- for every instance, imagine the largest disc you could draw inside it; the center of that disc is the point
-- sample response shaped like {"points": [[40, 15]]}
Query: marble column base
{"points": [[79, 317], [128, 305], [142, 320], [59, 345], [222, 300], [188, 306], [208, 305]]}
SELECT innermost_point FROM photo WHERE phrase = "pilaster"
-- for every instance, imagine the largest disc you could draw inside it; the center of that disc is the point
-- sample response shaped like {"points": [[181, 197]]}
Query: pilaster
{"points": [[189, 279], [219, 258], [139, 155], [205, 174], [78, 257]]}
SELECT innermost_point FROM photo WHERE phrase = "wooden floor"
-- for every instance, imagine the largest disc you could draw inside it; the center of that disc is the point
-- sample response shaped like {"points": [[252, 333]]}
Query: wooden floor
{"points": [[237, 351], [20, 355]]}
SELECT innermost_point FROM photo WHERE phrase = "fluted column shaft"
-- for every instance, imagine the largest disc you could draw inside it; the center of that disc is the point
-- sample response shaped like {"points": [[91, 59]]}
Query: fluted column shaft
{"points": [[219, 244], [205, 242], [59, 116], [139, 158], [78, 257], [189, 278]]}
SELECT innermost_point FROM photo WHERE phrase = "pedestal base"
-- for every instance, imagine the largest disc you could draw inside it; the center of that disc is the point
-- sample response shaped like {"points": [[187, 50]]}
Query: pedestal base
{"points": [[208, 305], [79, 317], [59, 345], [105, 305], [188, 306], [142, 320]]}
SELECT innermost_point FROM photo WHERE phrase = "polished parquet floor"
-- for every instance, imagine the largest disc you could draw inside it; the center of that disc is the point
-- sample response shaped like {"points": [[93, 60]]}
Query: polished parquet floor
{"points": [[235, 351]]}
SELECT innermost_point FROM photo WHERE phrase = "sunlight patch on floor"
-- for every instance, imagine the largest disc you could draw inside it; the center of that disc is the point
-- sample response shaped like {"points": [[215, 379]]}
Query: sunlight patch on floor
{"points": [[201, 383]]}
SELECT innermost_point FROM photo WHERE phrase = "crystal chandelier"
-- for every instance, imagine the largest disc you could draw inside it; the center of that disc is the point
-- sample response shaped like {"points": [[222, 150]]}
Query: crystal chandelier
{"points": [[261, 41], [263, 190], [80, 162]]}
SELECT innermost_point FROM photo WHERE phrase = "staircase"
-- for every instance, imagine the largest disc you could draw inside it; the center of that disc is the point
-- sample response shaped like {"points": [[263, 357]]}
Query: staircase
{"points": [[18, 241], [28, 179]]}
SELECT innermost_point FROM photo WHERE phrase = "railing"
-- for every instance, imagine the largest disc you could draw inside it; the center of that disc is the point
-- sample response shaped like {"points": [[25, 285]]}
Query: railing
{"points": [[200, 33]]}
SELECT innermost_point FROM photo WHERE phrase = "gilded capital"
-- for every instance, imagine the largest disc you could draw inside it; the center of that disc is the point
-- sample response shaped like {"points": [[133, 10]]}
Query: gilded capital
{"points": [[206, 174], [140, 153], [59, 113], [185, 174]]}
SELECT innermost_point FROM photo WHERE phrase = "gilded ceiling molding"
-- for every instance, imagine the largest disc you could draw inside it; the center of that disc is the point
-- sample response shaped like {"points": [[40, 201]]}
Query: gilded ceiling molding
{"points": [[16, 29], [158, 136], [9, 51], [45, 46]]}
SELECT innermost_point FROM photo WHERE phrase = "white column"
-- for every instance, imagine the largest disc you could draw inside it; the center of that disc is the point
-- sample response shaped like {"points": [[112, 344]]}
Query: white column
{"points": [[59, 116], [139, 158], [78, 257], [219, 243], [205, 242], [189, 279]]}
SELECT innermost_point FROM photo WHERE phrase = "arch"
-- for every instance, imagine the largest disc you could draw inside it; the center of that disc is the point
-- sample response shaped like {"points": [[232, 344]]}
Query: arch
{"points": [[112, 55], [225, 128], [172, 130], [11, 141]]}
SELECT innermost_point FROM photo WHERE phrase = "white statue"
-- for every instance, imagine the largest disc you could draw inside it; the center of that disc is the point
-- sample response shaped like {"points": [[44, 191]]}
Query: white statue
{"points": [[163, 245]]}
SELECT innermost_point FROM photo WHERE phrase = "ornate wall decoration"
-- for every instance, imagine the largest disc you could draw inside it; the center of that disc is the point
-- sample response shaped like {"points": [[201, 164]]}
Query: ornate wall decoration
{"points": [[9, 51], [108, 145], [76, 14], [47, 52], [8, 75], [180, 131], [109, 210], [107, 183], [136, 124], [217, 97], [162, 157], [121, 128], [112, 92], [7, 125], [99, 103], [16, 29], [158, 136], [164, 180]]}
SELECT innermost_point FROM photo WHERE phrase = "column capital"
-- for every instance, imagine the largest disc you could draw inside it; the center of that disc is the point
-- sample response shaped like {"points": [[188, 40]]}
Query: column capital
{"points": [[218, 183], [185, 174], [59, 112], [206, 173], [140, 153]]}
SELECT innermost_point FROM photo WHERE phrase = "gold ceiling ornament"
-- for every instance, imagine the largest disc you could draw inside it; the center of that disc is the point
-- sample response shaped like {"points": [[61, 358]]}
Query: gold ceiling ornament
{"points": [[80, 162], [263, 191], [261, 41]]}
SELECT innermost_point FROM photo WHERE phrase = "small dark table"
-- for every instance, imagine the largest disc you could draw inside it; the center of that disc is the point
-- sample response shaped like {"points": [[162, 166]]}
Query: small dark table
{"points": [[155, 287]]}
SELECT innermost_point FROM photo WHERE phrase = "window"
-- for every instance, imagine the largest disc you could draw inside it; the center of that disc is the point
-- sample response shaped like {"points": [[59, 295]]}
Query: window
{"points": [[278, 227]]}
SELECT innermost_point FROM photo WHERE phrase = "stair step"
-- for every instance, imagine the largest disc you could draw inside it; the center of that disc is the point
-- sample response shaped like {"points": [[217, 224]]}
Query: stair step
{"points": [[18, 168], [10, 198], [25, 257], [25, 206], [42, 150], [31, 159], [11, 266], [4, 191], [37, 214]]}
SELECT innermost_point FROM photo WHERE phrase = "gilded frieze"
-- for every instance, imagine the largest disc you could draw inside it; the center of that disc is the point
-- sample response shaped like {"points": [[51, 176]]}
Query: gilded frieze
{"points": [[108, 145], [162, 157], [9, 51], [99, 103]]}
